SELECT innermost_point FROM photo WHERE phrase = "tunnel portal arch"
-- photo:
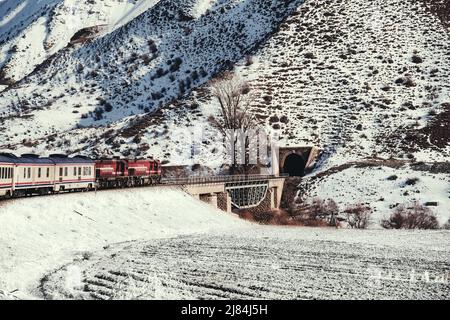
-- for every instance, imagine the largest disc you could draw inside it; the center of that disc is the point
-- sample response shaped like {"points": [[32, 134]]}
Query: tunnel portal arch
{"points": [[294, 165]]}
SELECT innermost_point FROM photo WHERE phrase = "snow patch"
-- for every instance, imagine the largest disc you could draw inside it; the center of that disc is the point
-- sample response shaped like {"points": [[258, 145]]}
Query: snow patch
{"points": [[201, 7]]}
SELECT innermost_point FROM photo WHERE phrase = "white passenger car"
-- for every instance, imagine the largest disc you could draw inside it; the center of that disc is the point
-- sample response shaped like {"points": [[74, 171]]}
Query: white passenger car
{"points": [[30, 174]]}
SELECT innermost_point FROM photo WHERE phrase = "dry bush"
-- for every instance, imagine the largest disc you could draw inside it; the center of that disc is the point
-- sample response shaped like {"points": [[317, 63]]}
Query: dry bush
{"points": [[87, 255], [246, 215], [283, 218], [413, 216], [248, 60], [274, 217], [446, 226], [411, 181], [358, 216], [416, 59], [318, 213]]}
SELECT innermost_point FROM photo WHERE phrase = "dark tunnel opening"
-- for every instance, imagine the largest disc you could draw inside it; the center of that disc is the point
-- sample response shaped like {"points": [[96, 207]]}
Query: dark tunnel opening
{"points": [[294, 165]]}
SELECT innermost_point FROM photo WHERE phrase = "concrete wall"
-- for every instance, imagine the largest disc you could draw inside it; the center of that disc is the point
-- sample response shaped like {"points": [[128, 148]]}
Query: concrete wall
{"points": [[209, 198], [277, 186], [224, 202]]}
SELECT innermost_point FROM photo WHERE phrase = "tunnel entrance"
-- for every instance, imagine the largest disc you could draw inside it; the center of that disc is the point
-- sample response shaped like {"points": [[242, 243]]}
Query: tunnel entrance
{"points": [[294, 165]]}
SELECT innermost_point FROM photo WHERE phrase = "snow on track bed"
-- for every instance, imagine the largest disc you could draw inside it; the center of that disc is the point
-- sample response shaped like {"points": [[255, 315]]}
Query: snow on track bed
{"points": [[267, 263]]}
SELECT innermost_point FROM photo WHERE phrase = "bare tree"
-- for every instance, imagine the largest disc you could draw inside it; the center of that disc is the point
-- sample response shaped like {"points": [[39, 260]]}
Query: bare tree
{"points": [[358, 216], [447, 225], [316, 213], [235, 121]]}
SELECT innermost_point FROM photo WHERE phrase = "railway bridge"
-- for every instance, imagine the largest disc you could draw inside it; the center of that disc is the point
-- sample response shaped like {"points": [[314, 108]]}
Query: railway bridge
{"points": [[249, 192]]}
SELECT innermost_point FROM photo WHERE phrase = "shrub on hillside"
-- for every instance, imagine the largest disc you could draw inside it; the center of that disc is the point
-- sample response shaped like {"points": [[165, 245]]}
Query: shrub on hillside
{"points": [[411, 181], [413, 216], [318, 213], [416, 59], [98, 113], [358, 216], [248, 60], [447, 225]]}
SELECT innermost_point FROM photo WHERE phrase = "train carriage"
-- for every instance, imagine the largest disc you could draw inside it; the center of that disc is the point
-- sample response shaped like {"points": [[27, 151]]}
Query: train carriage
{"points": [[77, 173], [33, 174], [7, 164], [111, 173]]}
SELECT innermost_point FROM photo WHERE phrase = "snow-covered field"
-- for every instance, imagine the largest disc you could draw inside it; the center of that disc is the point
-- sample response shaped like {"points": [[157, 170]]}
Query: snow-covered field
{"points": [[161, 243], [39, 234], [264, 263]]}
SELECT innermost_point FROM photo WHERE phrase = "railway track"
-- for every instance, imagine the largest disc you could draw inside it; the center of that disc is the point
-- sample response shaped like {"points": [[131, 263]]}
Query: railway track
{"points": [[165, 182]]}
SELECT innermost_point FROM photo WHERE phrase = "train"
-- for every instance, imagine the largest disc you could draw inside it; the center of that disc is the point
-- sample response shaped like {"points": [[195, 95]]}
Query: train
{"points": [[31, 174]]}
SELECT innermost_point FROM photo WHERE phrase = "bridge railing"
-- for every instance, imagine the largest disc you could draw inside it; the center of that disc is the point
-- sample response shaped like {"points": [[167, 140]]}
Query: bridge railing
{"points": [[219, 179]]}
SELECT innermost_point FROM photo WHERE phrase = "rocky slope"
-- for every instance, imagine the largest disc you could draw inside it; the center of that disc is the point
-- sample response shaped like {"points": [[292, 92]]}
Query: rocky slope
{"points": [[359, 79], [32, 31], [355, 78], [157, 57]]}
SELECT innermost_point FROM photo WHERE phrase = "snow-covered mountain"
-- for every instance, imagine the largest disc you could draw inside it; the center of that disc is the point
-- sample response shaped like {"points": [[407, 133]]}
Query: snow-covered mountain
{"points": [[157, 57], [359, 79], [32, 31]]}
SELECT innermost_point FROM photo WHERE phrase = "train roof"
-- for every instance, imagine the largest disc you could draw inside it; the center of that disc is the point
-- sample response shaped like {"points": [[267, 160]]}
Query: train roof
{"points": [[25, 159], [5, 158], [34, 159], [58, 159]]}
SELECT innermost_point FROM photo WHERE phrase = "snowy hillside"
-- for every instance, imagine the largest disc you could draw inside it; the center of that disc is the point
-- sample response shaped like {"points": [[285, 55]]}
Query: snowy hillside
{"points": [[358, 79], [355, 78], [32, 31], [157, 57], [383, 188], [37, 236]]}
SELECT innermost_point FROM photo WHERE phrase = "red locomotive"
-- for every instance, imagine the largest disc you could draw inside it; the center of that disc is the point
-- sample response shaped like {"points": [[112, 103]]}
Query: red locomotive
{"points": [[113, 173]]}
